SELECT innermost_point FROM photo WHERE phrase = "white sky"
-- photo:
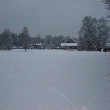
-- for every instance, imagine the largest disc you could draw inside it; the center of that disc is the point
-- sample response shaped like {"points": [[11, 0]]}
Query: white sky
{"points": [[48, 17]]}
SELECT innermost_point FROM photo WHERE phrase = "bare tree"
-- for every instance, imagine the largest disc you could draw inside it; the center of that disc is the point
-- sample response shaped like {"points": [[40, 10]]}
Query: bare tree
{"points": [[87, 33], [25, 37], [93, 34], [107, 2]]}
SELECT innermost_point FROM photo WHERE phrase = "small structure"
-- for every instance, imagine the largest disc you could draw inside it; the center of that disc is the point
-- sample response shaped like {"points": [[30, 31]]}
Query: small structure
{"points": [[69, 45], [37, 46], [107, 48], [108, 45]]}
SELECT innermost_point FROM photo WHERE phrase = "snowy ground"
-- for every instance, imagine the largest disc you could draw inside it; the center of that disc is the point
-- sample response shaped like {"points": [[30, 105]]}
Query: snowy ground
{"points": [[54, 80]]}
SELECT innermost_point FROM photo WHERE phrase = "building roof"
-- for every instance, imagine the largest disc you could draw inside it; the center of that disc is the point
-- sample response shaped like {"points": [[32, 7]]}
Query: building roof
{"points": [[69, 44], [39, 44], [36, 44], [108, 44]]}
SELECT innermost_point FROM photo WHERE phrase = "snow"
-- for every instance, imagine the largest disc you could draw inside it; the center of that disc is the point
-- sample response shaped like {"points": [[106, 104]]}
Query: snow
{"points": [[54, 80], [69, 44]]}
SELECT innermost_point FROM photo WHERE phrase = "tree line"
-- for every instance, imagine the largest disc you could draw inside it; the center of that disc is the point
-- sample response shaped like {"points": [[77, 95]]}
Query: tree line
{"points": [[23, 39], [9, 39], [93, 35]]}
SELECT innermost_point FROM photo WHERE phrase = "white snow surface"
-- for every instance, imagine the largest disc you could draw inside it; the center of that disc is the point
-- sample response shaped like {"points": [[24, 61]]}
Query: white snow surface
{"points": [[54, 80]]}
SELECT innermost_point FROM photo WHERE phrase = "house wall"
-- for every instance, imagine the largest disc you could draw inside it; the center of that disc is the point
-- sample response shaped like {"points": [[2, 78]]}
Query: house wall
{"points": [[68, 47]]}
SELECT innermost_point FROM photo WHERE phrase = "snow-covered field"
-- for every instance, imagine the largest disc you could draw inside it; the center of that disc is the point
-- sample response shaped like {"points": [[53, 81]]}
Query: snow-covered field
{"points": [[54, 80]]}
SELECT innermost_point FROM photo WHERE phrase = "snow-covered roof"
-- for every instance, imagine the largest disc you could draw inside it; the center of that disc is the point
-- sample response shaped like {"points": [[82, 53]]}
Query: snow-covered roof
{"points": [[108, 44], [37, 44], [69, 44]]}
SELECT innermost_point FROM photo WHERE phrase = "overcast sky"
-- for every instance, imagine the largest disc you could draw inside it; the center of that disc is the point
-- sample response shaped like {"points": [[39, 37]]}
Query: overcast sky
{"points": [[48, 17]]}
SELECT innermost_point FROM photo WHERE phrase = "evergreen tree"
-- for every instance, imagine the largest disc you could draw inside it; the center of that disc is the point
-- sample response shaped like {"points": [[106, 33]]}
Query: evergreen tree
{"points": [[5, 40]]}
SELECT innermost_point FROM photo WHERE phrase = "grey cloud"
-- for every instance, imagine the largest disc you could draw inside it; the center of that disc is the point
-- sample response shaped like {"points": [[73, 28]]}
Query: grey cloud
{"points": [[52, 17]]}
